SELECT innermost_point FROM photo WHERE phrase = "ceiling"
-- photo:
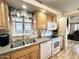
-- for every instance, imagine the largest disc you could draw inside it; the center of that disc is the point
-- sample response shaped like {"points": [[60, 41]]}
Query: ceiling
{"points": [[18, 4], [62, 5]]}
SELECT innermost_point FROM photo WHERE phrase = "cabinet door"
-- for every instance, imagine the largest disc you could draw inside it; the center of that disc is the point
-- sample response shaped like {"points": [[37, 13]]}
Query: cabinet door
{"points": [[0, 16], [41, 20], [3, 14], [31, 52], [7, 21], [5, 57], [22, 57], [34, 55], [20, 54]]}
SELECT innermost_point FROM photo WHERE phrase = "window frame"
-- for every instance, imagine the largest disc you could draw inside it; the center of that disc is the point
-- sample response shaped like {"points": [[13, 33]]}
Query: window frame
{"points": [[23, 26]]}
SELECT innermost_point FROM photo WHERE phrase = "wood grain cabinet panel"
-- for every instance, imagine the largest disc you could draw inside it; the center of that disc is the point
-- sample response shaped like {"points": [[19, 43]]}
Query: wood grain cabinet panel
{"points": [[3, 14], [41, 20], [31, 52], [34, 55], [21, 54], [22, 57], [0, 20], [5, 57], [0, 14]]}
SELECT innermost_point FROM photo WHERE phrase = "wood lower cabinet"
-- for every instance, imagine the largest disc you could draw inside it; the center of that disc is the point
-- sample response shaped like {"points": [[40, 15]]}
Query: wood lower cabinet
{"points": [[31, 52], [19, 55], [34, 55], [5, 56]]}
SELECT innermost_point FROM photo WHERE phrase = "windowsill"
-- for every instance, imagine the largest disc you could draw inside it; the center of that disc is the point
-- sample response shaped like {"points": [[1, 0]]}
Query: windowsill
{"points": [[17, 34], [21, 34]]}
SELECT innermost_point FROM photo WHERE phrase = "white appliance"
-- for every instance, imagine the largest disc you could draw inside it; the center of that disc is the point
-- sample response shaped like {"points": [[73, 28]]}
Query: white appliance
{"points": [[52, 26], [47, 33], [55, 45], [45, 50]]}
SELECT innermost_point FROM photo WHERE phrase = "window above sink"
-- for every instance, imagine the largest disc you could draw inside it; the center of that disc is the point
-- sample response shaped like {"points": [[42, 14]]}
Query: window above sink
{"points": [[21, 21]]}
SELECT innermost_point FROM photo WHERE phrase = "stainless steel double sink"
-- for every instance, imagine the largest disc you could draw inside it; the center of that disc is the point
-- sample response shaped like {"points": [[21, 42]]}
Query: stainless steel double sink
{"points": [[22, 42]]}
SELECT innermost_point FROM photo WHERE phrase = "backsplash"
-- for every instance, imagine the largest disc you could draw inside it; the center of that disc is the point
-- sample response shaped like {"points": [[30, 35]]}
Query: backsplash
{"points": [[29, 35]]}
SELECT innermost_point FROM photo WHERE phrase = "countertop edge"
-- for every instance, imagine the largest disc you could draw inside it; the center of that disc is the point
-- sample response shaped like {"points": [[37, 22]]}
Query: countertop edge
{"points": [[41, 40]]}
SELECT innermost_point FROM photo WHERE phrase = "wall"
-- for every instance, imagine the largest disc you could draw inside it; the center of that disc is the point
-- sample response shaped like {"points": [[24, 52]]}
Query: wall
{"points": [[62, 21], [73, 21]]}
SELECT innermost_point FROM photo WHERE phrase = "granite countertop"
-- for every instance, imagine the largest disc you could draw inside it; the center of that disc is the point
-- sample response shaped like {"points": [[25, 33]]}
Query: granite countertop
{"points": [[7, 48]]}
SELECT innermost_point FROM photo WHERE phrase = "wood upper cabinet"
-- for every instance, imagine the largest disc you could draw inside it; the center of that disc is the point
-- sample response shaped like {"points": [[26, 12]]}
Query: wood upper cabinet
{"points": [[41, 20], [3, 14], [51, 18], [0, 15], [31, 52]]}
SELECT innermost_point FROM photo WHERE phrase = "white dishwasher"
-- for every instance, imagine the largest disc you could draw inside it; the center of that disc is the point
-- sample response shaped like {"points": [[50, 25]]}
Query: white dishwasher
{"points": [[45, 50]]}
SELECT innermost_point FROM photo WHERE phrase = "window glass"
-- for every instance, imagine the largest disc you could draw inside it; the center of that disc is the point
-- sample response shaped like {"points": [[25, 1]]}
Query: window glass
{"points": [[13, 18], [27, 20], [19, 28], [78, 26], [21, 25], [75, 27], [13, 26], [19, 19], [27, 26]]}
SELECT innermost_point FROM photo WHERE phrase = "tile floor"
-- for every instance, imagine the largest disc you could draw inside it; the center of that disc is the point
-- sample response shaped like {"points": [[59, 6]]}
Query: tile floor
{"points": [[71, 53]]}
